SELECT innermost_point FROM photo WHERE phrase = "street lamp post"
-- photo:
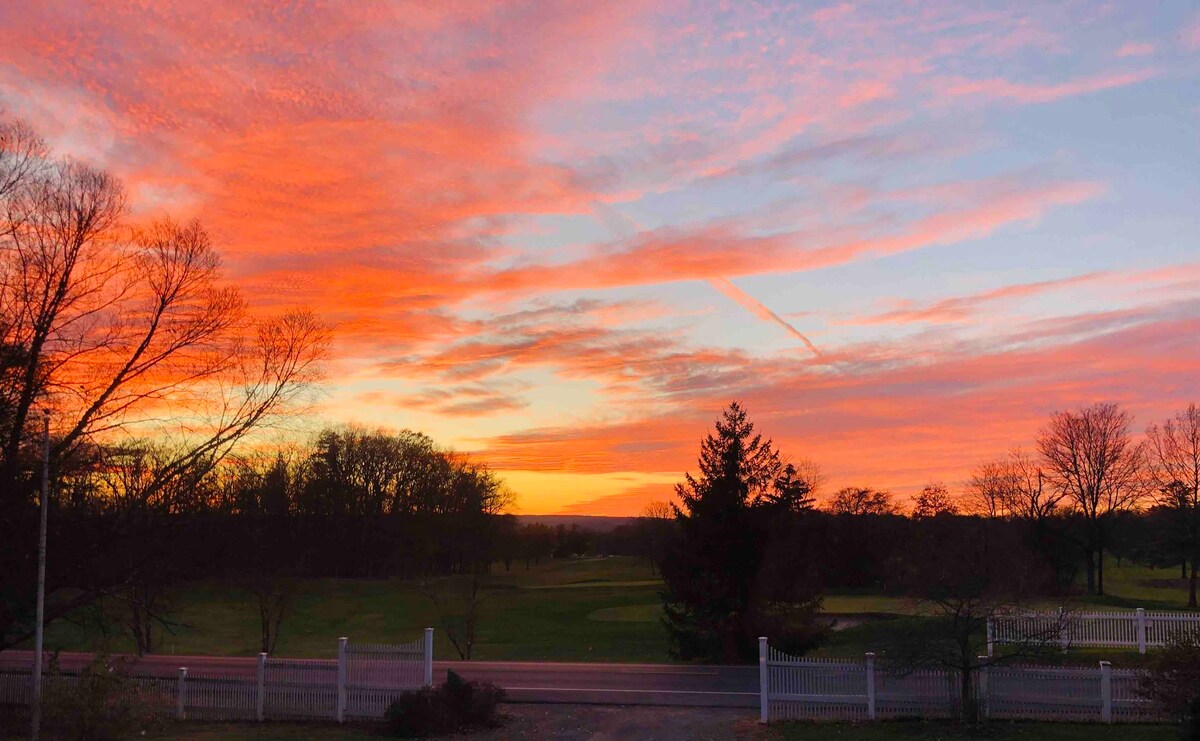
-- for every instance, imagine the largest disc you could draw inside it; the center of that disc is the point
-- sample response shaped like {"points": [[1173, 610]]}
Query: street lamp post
{"points": [[36, 710]]}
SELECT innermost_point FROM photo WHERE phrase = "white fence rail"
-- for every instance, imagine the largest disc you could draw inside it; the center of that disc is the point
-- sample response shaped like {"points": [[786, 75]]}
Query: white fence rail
{"points": [[360, 683], [794, 688], [1140, 629]]}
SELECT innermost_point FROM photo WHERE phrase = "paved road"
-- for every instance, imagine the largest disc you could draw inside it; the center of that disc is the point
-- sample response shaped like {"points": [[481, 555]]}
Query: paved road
{"points": [[618, 684]]}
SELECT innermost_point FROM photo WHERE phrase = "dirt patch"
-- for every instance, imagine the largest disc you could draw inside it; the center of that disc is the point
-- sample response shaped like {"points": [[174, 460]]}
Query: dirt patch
{"points": [[613, 723]]}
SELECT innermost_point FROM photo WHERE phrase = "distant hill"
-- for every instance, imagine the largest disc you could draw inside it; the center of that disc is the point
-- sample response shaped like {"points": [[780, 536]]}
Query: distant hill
{"points": [[585, 522]]}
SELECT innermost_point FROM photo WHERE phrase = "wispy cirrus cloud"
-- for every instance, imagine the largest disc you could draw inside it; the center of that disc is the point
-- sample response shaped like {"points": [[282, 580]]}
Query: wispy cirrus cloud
{"points": [[1029, 92], [1135, 49], [964, 308], [445, 181]]}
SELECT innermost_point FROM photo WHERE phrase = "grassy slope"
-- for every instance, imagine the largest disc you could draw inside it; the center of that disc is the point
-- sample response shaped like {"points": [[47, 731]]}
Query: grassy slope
{"points": [[580, 610], [542, 613]]}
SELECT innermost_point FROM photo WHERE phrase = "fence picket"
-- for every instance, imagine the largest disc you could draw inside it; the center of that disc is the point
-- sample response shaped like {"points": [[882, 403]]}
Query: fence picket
{"points": [[838, 689], [1141, 629]]}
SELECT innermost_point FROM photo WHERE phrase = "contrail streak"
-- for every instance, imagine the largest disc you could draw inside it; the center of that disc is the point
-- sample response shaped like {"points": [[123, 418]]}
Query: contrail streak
{"points": [[760, 311]]}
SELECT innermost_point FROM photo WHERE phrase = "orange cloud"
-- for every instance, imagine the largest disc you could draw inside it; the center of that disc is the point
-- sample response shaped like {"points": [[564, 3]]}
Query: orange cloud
{"points": [[895, 424], [427, 174]]}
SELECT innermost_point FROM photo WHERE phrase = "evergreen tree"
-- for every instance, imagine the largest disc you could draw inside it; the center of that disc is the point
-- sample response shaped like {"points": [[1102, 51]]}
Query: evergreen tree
{"points": [[790, 492], [719, 587]]}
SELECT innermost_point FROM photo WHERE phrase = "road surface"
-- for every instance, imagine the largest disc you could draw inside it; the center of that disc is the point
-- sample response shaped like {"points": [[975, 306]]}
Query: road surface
{"points": [[525, 681]]}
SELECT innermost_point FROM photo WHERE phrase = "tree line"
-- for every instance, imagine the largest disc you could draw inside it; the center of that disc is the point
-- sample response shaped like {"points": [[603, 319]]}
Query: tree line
{"points": [[155, 383], [746, 551]]}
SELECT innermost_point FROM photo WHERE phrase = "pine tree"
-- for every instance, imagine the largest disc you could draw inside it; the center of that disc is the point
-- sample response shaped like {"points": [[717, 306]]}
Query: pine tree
{"points": [[717, 589], [735, 465]]}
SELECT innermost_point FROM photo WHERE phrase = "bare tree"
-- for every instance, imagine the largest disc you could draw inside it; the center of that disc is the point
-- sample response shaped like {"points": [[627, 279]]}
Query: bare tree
{"points": [[654, 528], [272, 593], [961, 575], [934, 500], [22, 156], [1174, 457], [1014, 486], [124, 333], [1095, 465], [810, 472], [458, 601], [111, 327], [657, 510], [862, 501], [1030, 496], [988, 489]]}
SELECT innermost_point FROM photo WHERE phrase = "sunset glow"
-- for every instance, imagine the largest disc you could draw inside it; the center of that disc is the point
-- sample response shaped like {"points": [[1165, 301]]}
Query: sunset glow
{"points": [[562, 236]]}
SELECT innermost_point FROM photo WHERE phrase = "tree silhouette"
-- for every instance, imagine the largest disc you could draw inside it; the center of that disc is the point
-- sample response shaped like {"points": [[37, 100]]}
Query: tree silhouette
{"points": [[934, 500], [1092, 460], [854, 500], [1174, 451], [721, 587]]}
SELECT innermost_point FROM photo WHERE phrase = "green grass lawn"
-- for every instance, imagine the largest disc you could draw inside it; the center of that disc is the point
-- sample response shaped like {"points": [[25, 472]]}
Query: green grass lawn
{"points": [[1129, 586], [554, 611], [597, 609], [942, 731]]}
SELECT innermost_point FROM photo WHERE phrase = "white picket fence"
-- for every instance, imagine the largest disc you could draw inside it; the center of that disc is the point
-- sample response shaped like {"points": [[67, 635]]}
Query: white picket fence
{"points": [[360, 683], [793, 688], [1140, 629]]}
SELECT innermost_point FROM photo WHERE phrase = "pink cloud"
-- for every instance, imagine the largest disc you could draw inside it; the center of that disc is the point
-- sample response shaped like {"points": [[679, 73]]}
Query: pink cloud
{"points": [[1020, 92], [964, 308], [719, 250], [1189, 36], [1135, 49]]}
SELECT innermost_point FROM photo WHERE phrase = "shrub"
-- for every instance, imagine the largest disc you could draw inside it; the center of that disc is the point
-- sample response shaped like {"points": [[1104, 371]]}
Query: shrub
{"points": [[98, 705], [1173, 683], [454, 706], [417, 714]]}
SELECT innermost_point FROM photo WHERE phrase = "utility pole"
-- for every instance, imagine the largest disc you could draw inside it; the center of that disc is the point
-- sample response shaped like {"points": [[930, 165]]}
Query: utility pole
{"points": [[36, 710]]}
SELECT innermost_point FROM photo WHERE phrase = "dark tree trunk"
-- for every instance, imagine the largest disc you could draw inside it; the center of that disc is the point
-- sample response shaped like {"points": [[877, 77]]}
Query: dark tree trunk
{"points": [[1091, 570], [1192, 583], [970, 712]]}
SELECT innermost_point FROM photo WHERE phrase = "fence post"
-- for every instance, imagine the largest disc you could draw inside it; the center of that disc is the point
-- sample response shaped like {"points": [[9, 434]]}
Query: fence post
{"points": [[181, 695], [991, 638], [983, 699], [429, 657], [1105, 692], [1063, 634], [262, 686], [870, 685], [341, 680], [1141, 630], [764, 708]]}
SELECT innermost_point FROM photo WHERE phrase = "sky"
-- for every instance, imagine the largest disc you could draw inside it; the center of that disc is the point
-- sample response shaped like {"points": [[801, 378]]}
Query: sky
{"points": [[563, 235]]}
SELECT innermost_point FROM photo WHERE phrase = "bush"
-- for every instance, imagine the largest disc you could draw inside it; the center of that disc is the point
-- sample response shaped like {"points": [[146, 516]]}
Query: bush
{"points": [[417, 714], [456, 705], [1173, 683], [98, 705]]}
